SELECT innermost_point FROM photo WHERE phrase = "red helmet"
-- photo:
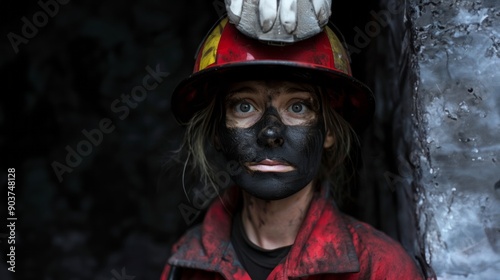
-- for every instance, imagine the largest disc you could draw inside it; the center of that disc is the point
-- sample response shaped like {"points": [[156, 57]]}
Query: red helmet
{"points": [[226, 55]]}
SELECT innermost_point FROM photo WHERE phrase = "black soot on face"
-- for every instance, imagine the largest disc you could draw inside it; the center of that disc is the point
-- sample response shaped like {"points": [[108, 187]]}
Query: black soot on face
{"points": [[301, 146]]}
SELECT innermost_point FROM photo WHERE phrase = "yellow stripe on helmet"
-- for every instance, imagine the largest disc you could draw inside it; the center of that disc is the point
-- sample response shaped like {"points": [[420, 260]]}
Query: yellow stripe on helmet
{"points": [[340, 56], [209, 52]]}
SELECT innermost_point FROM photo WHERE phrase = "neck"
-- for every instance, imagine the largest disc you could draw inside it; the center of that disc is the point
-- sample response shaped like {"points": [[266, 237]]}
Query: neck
{"points": [[275, 223]]}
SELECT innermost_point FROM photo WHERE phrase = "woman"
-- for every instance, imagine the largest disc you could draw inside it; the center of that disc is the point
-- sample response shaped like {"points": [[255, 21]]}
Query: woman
{"points": [[282, 115]]}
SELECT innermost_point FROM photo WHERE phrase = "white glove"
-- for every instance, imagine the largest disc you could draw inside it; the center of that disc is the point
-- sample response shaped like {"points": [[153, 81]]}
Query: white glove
{"points": [[323, 10], [299, 18]]}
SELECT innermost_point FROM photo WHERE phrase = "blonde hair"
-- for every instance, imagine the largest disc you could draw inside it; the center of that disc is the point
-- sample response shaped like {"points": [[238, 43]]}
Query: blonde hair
{"points": [[337, 166], [199, 129]]}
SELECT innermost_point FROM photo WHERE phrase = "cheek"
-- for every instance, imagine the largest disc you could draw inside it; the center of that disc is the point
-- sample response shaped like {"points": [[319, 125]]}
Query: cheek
{"points": [[241, 122], [239, 143], [315, 138], [306, 139]]}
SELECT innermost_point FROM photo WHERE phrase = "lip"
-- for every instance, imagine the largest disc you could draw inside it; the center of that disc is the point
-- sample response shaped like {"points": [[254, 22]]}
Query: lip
{"points": [[269, 165]]}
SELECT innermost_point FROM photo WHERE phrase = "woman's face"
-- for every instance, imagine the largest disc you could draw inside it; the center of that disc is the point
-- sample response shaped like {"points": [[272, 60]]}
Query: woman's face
{"points": [[275, 131]]}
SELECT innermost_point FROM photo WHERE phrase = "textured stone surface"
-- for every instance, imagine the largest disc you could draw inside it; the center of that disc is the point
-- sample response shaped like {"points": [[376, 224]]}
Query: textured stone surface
{"points": [[459, 102], [389, 193], [432, 162], [432, 153]]}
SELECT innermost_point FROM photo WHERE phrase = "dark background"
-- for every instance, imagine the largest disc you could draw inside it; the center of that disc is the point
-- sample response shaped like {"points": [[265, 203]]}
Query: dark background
{"points": [[117, 212]]}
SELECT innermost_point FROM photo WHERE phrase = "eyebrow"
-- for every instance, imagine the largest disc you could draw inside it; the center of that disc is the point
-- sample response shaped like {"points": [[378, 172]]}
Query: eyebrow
{"points": [[285, 90], [240, 90], [298, 89]]}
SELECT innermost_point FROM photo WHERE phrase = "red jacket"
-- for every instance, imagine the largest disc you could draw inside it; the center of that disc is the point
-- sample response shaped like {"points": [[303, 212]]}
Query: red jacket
{"points": [[329, 245]]}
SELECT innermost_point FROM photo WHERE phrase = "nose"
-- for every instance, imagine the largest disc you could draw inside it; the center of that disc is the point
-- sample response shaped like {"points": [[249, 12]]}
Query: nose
{"points": [[271, 136]]}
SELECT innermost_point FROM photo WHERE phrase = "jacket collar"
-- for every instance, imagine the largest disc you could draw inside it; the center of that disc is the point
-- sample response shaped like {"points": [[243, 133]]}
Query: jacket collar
{"points": [[323, 244]]}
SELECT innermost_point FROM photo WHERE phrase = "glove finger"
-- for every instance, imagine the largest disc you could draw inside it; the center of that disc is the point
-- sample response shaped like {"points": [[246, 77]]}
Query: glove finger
{"points": [[323, 10], [234, 8], [288, 15], [268, 12]]}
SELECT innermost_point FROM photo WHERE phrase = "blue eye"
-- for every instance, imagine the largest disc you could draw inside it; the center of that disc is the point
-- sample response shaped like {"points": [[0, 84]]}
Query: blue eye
{"points": [[298, 108], [244, 107]]}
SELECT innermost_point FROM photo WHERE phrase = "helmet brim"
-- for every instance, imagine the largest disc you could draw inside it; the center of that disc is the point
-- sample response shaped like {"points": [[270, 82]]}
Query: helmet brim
{"points": [[352, 99]]}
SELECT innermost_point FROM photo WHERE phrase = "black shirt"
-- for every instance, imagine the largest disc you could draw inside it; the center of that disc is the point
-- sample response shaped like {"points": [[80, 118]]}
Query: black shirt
{"points": [[257, 262]]}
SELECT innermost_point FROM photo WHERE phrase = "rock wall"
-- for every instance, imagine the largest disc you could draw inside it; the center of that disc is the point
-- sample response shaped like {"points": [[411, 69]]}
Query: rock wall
{"points": [[458, 98], [431, 158], [435, 70]]}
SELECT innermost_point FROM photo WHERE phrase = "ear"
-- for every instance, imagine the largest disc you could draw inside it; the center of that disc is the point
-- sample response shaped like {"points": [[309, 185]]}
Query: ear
{"points": [[329, 140]]}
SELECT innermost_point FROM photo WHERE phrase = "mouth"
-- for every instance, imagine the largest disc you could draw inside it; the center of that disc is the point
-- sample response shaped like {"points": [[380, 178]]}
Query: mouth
{"points": [[268, 165]]}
